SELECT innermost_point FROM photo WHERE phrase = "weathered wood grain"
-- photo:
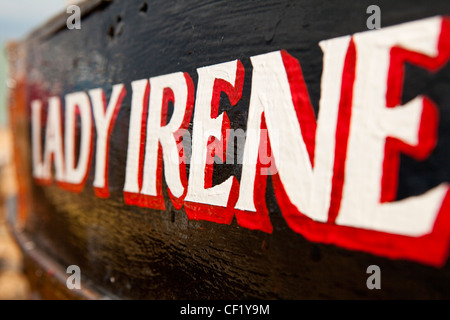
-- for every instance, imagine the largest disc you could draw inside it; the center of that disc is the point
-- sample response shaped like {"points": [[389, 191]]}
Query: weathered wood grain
{"points": [[140, 253]]}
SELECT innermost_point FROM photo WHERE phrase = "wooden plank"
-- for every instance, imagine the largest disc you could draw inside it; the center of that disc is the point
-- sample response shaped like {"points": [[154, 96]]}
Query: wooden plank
{"points": [[145, 253]]}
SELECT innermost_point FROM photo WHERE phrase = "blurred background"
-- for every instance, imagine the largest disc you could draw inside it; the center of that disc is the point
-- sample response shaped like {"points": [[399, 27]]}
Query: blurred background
{"points": [[17, 19]]}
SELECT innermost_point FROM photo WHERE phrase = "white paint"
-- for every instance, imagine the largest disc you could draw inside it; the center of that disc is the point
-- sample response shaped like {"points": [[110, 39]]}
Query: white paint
{"points": [[205, 127], [372, 122], [334, 53], [309, 190], [76, 171], [134, 135], [102, 119], [164, 135]]}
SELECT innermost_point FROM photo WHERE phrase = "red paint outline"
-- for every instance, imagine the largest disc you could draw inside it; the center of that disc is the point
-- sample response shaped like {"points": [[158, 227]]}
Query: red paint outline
{"points": [[133, 198], [178, 202], [259, 219], [199, 211], [157, 202], [431, 249], [139, 199], [295, 219], [78, 187], [428, 135], [342, 131], [104, 192], [43, 124]]}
